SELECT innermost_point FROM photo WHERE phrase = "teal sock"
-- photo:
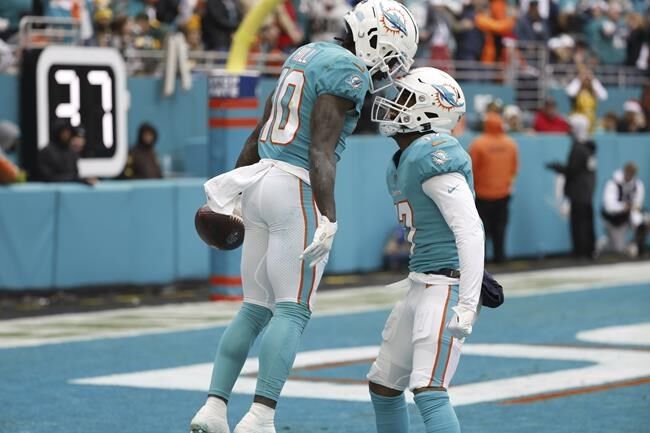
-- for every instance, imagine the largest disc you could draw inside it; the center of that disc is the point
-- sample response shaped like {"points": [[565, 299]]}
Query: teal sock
{"points": [[436, 410], [391, 413], [279, 346], [234, 345]]}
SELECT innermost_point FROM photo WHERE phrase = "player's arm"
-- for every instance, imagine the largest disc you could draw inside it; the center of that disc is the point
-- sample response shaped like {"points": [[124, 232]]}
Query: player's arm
{"points": [[327, 122], [249, 154], [451, 193]]}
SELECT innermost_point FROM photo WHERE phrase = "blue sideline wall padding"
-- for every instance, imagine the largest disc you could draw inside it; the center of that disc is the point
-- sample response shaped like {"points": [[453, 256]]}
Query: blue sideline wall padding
{"points": [[152, 212], [92, 235], [27, 226]]}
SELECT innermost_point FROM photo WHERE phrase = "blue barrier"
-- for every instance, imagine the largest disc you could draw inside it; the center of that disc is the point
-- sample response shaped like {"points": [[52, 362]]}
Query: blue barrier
{"points": [[67, 235], [27, 231], [70, 235]]}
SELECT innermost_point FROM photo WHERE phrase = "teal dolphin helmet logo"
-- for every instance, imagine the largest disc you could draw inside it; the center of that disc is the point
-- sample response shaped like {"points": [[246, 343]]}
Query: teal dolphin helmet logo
{"points": [[393, 20], [448, 99]]}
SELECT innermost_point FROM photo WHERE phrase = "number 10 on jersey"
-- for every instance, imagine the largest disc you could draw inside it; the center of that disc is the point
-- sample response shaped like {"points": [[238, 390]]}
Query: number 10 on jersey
{"points": [[284, 120]]}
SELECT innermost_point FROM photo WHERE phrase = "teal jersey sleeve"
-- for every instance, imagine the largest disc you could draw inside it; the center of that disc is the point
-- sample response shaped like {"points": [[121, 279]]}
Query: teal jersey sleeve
{"points": [[439, 154], [345, 77]]}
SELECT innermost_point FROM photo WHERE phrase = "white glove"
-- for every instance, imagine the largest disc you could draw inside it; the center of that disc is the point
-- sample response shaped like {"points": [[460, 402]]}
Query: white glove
{"points": [[460, 325], [320, 247]]}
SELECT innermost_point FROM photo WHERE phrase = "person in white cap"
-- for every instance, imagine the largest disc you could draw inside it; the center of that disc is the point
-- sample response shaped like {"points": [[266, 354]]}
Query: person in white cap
{"points": [[623, 211], [633, 119]]}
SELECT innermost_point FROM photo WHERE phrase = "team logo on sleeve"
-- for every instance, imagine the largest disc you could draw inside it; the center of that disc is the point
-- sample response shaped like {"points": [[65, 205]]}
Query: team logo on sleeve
{"points": [[440, 157], [393, 21], [355, 81], [448, 97]]}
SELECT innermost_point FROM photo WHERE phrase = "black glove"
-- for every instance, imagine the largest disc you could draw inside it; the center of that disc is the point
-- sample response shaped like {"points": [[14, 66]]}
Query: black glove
{"points": [[491, 291], [555, 166]]}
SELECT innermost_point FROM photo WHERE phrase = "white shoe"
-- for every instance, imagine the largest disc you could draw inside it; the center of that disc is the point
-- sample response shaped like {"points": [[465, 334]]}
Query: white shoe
{"points": [[259, 419], [211, 418]]}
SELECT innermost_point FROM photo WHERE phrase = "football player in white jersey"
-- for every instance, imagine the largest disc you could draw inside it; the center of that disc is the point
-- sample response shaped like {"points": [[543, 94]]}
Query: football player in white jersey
{"points": [[285, 178], [430, 181]]}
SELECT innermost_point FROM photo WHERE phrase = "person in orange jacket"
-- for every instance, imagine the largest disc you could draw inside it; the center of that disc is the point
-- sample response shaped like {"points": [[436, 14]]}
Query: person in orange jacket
{"points": [[494, 163], [496, 24]]}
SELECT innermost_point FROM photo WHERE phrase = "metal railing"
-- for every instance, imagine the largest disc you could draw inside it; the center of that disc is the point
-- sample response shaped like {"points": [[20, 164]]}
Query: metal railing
{"points": [[38, 32], [527, 67]]}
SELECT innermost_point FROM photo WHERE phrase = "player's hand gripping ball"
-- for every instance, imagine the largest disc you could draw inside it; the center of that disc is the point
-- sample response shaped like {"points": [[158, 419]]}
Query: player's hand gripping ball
{"points": [[224, 232]]}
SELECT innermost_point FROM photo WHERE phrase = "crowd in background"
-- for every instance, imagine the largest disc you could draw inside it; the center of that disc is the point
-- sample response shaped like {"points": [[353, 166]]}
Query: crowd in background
{"points": [[585, 32]]}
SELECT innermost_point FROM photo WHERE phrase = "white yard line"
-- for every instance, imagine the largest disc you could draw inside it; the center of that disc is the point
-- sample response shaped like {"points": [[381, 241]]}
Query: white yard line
{"points": [[127, 322]]}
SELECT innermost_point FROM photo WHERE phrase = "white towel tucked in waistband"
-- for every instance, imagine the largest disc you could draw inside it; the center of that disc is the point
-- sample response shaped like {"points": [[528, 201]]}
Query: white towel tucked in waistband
{"points": [[433, 279], [223, 191]]}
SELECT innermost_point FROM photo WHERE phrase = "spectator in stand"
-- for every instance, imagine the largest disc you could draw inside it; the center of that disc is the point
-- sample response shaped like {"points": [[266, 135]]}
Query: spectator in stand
{"points": [[606, 33], [497, 25], [324, 18], [146, 33], [220, 20], [436, 36], [623, 210], [583, 56], [166, 11], [121, 33], [9, 172], [562, 49], [291, 35], [579, 183], [266, 47], [192, 31], [585, 91], [469, 38], [80, 10], [636, 55], [103, 28], [531, 27], [609, 122], [142, 162], [513, 119], [57, 162], [549, 120], [633, 119], [494, 163]]}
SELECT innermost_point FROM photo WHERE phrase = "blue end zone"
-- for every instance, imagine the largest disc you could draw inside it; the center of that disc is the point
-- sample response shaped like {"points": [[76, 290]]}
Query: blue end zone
{"points": [[37, 395]]}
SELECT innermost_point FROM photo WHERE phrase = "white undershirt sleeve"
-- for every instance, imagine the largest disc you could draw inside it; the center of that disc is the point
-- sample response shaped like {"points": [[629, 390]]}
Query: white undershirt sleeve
{"points": [[611, 203], [451, 193]]}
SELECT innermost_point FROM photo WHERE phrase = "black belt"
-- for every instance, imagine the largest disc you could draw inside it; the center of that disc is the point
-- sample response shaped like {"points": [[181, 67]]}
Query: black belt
{"points": [[451, 273]]}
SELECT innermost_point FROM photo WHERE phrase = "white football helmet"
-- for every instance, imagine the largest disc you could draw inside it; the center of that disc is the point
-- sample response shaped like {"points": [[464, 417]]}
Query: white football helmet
{"points": [[385, 37], [427, 99]]}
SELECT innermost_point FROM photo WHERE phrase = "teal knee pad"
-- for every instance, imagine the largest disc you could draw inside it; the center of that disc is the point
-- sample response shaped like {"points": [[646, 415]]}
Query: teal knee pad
{"points": [[437, 412], [279, 346], [391, 413], [234, 346]]}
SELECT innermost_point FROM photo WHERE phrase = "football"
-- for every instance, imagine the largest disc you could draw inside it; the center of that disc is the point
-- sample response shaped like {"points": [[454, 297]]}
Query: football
{"points": [[224, 232]]}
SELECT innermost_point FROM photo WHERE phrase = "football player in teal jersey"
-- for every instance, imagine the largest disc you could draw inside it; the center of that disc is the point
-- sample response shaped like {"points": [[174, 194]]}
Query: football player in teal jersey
{"points": [[430, 181], [285, 178]]}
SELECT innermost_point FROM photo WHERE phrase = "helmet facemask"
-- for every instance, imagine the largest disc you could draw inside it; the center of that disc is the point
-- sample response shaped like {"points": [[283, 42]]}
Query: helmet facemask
{"points": [[395, 114]]}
